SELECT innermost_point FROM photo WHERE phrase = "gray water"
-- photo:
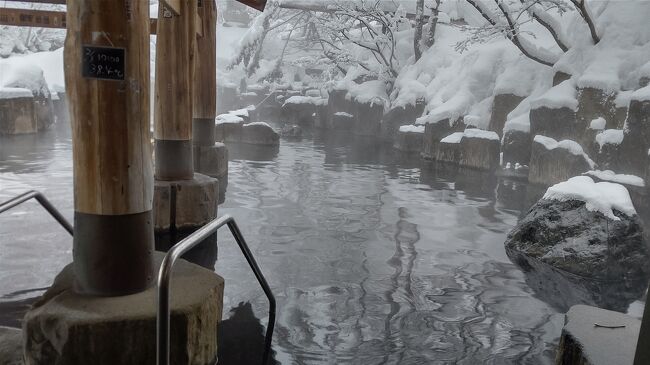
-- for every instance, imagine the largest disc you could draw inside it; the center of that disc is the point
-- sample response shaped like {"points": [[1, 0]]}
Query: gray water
{"points": [[374, 257]]}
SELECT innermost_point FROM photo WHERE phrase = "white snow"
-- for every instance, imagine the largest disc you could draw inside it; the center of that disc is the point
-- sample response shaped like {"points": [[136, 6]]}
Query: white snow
{"points": [[453, 138], [412, 129], [479, 133], [610, 136], [563, 95], [567, 144], [258, 124], [520, 123], [297, 99], [598, 124], [15, 92], [611, 176], [239, 112], [229, 119], [603, 197], [344, 114], [642, 94], [15, 73]]}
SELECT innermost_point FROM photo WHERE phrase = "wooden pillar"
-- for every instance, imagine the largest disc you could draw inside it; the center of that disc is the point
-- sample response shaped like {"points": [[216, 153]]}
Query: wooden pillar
{"points": [[107, 82], [176, 36], [205, 72], [642, 355]]}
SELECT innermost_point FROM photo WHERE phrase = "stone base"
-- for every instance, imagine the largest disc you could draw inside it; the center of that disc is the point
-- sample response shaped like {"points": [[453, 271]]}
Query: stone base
{"points": [[211, 161], [67, 328], [592, 336], [11, 346], [185, 204]]}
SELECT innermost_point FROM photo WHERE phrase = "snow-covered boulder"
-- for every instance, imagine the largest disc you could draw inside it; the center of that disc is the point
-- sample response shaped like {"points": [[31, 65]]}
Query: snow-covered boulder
{"points": [[502, 105], [25, 99], [302, 110], [552, 161], [409, 138], [342, 121], [259, 133], [251, 98], [554, 113], [584, 228], [228, 128], [607, 148], [433, 133], [479, 149], [449, 148], [338, 102], [399, 116]]}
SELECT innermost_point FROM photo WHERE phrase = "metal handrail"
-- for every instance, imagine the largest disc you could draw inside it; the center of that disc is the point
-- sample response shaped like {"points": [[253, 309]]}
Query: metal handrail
{"points": [[44, 203], [165, 273]]}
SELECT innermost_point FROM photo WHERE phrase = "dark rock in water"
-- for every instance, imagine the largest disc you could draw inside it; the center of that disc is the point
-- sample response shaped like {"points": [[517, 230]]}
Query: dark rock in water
{"points": [[259, 133], [449, 148], [552, 162], [342, 121], [502, 105], [241, 338], [569, 237], [560, 123], [516, 147], [433, 133], [302, 110], [409, 140], [479, 149], [228, 132], [338, 102], [399, 116], [291, 131], [368, 118]]}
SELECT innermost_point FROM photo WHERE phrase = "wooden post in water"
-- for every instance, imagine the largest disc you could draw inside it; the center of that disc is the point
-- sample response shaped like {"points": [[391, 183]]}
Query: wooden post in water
{"points": [[176, 38], [205, 71], [107, 81]]}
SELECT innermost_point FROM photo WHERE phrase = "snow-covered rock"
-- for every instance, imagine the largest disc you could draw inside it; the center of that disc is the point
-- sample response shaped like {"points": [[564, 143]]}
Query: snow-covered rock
{"points": [[342, 121], [433, 133], [449, 148], [479, 149], [558, 123], [584, 228], [399, 116], [502, 105], [552, 162], [228, 128], [636, 140], [368, 114], [516, 147], [259, 133], [409, 138]]}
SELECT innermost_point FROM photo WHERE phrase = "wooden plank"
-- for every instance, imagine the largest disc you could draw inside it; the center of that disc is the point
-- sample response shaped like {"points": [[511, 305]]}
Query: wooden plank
{"points": [[56, 2], [32, 18], [173, 5]]}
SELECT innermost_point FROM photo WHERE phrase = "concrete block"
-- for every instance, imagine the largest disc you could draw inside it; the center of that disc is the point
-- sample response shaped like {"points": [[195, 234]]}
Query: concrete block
{"points": [[185, 204], [211, 161], [67, 328], [597, 336]]}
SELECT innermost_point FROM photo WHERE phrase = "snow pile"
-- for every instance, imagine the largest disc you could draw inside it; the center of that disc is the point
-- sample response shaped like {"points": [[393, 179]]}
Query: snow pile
{"points": [[15, 73], [479, 133], [520, 123], [611, 176], [571, 146], [642, 94], [563, 95], [453, 138], [610, 136], [369, 92], [229, 119], [14, 92], [598, 124], [239, 112], [344, 114], [412, 129], [297, 99], [603, 197]]}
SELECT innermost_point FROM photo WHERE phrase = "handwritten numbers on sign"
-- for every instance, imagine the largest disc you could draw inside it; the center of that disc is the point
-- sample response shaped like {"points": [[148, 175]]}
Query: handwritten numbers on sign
{"points": [[106, 63]]}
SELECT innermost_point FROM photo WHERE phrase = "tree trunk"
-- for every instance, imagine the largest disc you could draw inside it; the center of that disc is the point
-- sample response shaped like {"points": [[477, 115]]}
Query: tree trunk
{"points": [[419, 24], [430, 39]]}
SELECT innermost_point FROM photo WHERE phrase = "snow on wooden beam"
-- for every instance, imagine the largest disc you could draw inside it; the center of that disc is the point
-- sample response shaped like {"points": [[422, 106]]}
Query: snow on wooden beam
{"points": [[172, 5]]}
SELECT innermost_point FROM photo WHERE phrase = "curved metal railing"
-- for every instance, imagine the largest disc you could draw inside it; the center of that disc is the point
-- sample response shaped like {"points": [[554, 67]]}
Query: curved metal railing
{"points": [[44, 203], [165, 274]]}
